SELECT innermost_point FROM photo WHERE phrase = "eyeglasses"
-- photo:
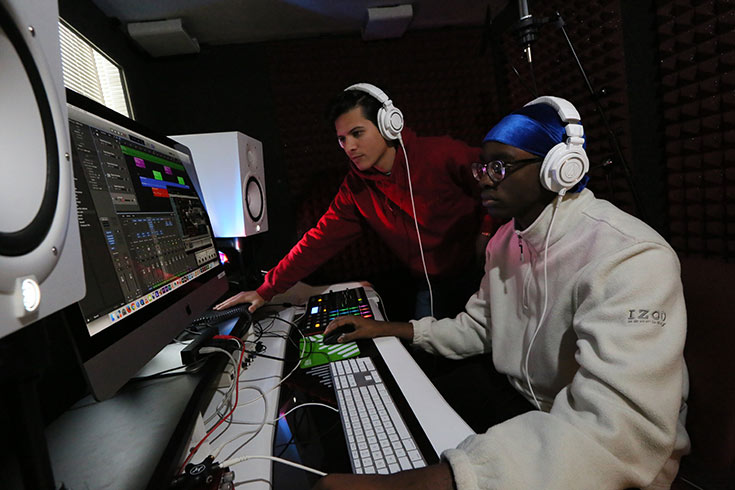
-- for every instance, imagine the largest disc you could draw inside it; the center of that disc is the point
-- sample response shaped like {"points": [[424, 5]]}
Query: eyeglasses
{"points": [[497, 170]]}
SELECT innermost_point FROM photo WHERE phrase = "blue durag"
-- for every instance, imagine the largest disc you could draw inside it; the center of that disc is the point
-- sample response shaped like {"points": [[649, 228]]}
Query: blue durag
{"points": [[535, 128]]}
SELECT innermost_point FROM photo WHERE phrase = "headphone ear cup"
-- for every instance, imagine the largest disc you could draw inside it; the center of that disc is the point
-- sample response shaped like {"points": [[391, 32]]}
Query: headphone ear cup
{"points": [[390, 121], [563, 166]]}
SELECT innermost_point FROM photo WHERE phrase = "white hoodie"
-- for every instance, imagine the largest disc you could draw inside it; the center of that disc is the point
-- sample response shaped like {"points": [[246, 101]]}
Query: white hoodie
{"points": [[606, 366]]}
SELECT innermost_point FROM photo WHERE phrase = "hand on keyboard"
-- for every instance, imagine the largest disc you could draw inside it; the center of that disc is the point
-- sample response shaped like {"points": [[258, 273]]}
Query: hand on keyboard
{"points": [[367, 328], [353, 328], [252, 297]]}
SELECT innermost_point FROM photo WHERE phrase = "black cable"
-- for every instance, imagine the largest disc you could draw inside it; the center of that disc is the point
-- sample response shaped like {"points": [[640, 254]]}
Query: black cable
{"points": [[168, 372], [258, 354], [286, 305], [533, 79], [529, 28], [530, 90], [615, 143]]}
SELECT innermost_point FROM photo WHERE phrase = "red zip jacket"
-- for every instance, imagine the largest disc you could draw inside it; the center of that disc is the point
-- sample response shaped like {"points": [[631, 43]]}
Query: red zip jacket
{"points": [[447, 206]]}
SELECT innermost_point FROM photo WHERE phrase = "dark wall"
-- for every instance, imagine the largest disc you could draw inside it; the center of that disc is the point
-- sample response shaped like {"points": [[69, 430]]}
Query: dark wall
{"points": [[219, 89], [225, 89], [697, 96], [277, 92], [440, 79], [457, 81]]}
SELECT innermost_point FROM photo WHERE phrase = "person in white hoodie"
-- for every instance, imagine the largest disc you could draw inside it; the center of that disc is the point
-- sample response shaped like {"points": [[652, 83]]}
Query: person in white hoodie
{"points": [[581, 308]]}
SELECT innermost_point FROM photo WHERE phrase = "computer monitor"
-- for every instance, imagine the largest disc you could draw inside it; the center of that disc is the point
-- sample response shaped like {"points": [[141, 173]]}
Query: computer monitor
{"points": [[150, 261]]}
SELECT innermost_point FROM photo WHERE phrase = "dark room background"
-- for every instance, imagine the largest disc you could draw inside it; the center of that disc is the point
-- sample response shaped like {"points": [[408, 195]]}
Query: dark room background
{"points": [[663, 73]]}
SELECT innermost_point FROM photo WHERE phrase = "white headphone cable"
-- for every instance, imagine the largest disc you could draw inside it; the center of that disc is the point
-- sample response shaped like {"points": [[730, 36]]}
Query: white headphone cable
{"points": [[415, 220], [546, 298]]}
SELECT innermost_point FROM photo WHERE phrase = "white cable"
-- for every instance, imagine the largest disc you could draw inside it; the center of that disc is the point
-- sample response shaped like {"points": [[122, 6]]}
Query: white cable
{"points": [[234, 461], [301, 355], [212, 350], [263, 395], [382, 306], [262, 423], [314, 404], [690, 483], [230, 390], [246, 422], [546, 300], [415, 221]]}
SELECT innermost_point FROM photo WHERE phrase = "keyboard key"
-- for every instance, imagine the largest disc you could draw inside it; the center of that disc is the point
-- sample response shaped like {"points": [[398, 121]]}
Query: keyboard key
{"points": [[381, 442]]}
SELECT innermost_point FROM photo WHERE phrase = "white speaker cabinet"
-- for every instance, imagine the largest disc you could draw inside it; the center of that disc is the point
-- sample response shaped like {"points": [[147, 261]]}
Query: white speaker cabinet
{"points": [[40, 253], [231, 174]]}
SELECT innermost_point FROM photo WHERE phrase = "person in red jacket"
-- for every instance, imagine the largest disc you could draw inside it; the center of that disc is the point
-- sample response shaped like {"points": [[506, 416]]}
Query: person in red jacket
{"points": [[376, 193]]}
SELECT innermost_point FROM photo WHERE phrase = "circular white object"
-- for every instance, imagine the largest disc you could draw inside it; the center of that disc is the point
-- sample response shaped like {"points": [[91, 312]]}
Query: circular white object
{"points": [[396, 121], [254, 199], [31, 294], [27, 153]]}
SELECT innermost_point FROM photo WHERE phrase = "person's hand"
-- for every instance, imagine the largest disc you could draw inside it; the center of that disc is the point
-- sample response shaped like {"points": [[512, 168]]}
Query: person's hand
{"points": [[367, 328], [252, 297], [434, 477]]}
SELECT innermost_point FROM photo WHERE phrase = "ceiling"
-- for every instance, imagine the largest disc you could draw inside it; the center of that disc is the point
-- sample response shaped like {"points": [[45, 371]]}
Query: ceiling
{"points": [[243, 21]]}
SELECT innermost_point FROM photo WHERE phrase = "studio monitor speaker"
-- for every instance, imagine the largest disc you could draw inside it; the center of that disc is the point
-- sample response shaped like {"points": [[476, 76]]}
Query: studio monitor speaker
{"points": [[231, 174], [40, 254], [163, 37], [387, 22]]}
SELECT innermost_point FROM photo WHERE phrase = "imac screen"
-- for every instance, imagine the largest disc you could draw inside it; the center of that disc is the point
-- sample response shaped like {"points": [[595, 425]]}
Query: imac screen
{"points": [[150, 261]]}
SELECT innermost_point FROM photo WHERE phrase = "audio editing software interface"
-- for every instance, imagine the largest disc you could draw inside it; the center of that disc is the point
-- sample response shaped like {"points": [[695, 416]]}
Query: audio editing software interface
{"points": [[139, 210]]}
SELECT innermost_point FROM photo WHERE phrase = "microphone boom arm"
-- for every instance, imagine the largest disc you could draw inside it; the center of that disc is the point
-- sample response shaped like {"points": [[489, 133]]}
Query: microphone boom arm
{"points": [[527, 29]]}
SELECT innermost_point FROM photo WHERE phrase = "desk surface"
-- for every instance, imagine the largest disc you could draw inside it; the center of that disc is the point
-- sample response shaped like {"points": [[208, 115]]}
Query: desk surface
{"points": [[117, 443], [121, 442]]}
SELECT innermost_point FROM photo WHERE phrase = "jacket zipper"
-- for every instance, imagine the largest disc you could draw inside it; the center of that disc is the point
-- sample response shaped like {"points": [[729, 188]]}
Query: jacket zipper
{"points": [[520, 243], [526, 276]]}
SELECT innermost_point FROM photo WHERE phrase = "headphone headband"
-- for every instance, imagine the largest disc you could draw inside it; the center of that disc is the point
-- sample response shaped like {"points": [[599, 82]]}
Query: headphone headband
{"points": [[567, 112], [390, 118], [567, 162], [371, 90]]}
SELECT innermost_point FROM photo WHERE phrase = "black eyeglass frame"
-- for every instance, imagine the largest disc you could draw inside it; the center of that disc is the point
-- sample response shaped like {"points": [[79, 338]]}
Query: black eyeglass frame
{"points": [[497, 170]]}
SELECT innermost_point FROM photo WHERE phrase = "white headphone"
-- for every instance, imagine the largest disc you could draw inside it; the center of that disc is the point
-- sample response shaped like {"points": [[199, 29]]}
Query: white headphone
{"points": [[566, 163], [390, 124], [390, 118]]}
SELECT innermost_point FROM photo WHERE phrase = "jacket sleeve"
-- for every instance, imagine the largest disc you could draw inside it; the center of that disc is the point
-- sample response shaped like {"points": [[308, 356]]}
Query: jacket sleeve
{"points": [[456, 338], [339, 226], [614, 426]]}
